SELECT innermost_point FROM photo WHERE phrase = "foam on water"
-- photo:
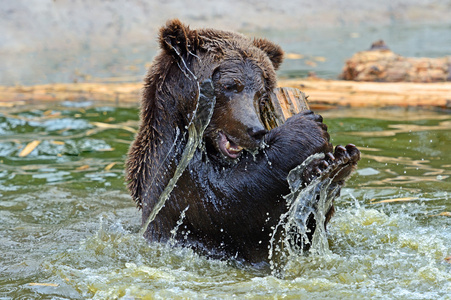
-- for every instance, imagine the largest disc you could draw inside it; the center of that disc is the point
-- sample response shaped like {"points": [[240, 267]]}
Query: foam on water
{"points": [[374, 253]]}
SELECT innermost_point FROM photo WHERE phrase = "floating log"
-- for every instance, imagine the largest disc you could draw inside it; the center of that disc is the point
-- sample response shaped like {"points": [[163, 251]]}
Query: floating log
{"points": [[322, 93], [338, 93], [380, 64], [121, 93]]}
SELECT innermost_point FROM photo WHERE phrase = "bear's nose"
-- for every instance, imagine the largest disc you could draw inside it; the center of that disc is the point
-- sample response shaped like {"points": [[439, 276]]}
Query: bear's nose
{"points": [[257, 133]]}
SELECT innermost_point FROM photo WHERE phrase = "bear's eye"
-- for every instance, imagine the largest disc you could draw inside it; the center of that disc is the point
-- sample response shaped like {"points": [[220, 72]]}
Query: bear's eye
{"points": [[235, 86]]}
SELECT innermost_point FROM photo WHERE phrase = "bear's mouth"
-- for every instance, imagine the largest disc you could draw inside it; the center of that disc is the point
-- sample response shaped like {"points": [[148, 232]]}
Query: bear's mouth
{"points": [[228, 147]]}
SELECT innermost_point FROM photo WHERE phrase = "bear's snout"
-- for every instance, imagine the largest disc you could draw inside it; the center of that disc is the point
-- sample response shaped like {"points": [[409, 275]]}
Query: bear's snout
{"points": [[257, 133]]}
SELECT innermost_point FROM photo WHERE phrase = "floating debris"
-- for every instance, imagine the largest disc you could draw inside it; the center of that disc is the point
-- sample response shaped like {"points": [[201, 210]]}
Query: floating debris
{"points": [[310, 63], [110, 166], [405, 199], [82, 168], [320, 58], [29, 148], [43, 284], [294, 56], [113, 126], [442, 214]]}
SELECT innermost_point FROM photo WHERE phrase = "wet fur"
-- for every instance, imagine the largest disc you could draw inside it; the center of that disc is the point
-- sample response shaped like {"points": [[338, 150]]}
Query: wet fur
{"points": [[226, 202]]}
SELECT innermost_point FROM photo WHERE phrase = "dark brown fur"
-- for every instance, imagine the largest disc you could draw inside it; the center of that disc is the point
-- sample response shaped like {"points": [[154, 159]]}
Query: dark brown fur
{"points": [[227, 199]]}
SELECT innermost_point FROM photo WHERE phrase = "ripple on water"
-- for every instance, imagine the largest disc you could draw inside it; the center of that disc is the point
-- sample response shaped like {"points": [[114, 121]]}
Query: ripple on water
{"points": [[67, 220], [375, 253]]}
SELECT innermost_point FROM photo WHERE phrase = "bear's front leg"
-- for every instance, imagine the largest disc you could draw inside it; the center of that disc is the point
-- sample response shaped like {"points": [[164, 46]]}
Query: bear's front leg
{"points": [[301, 136]]}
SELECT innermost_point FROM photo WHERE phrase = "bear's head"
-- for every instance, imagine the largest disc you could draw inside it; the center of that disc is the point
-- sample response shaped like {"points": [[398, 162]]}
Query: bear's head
{"points": [[243, 74]]}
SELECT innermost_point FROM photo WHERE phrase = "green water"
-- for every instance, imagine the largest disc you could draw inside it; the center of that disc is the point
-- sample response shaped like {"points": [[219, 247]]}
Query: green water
{"points": [[69, 229]]}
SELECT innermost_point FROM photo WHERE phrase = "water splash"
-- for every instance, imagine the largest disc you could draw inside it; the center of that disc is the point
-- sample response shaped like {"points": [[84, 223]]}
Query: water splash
{"points": [[307, 207], [201, 118], [172, 240]]}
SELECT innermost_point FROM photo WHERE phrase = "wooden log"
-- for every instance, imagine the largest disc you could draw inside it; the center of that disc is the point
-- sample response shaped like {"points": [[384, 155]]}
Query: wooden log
{"points": [[322, 93], [382, 65], [120, 93], [336, 93], [283, 103]]}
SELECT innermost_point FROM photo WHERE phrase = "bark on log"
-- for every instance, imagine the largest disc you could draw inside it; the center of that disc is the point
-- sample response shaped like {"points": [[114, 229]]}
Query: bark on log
{"points": [[382, 65], [282, 104]]}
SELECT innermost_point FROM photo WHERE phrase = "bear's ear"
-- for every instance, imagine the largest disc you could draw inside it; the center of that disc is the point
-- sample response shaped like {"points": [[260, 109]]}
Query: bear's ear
{"points": [[274, 52], [177, 39]]}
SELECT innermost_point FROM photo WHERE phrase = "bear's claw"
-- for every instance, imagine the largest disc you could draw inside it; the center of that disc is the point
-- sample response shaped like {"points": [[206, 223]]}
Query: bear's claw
{"points": [[338, 165]]}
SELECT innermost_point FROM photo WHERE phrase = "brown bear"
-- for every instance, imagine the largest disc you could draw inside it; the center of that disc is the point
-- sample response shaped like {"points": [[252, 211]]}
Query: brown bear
{"points": [[230, 196]]}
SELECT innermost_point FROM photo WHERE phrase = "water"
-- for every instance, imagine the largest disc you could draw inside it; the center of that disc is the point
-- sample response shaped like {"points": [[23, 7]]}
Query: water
{"points": [[323, 50], [303, 203], [69, 229]]}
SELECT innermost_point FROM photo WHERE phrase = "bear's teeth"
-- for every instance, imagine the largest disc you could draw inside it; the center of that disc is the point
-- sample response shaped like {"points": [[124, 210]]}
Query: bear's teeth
{"points": [[229, 147]]}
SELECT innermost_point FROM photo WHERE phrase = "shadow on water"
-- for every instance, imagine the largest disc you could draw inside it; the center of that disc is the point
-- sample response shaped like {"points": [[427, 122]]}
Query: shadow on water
{"points": [[70, 230]]}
